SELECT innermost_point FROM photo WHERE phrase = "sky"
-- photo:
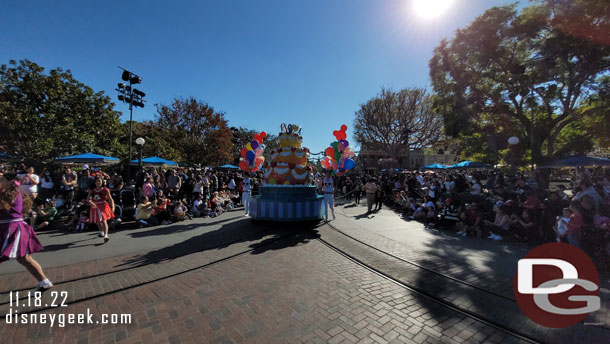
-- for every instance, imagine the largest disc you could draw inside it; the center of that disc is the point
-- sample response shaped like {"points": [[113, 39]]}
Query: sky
{"points": [[262, 63]]}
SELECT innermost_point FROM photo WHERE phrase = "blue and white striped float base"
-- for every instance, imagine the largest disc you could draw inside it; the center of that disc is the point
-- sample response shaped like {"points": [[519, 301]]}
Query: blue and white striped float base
{"points": [[287, 210]]}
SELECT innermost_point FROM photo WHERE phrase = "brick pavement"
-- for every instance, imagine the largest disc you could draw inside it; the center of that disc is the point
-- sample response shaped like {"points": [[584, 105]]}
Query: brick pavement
{"points": [[292, 292], [443, 255]]}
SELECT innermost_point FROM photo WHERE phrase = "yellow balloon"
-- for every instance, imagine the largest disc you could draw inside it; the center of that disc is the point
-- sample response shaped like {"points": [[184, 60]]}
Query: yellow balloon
{"points": [[249, 147]]}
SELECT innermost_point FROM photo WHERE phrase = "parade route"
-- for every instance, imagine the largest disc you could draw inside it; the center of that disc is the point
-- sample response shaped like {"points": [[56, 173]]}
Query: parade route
{"points": [[229, 280]]}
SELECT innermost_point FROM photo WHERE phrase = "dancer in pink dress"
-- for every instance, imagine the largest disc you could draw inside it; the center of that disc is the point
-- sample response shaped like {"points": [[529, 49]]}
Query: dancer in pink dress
{"points": [[17, 237]]}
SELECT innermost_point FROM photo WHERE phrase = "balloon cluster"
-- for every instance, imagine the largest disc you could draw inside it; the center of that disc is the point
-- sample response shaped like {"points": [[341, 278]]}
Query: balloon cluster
{"points": [[252, 155], [339, 155]]}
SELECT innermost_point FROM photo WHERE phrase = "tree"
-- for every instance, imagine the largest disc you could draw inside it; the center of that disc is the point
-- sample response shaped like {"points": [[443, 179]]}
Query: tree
{"points": [[527, 74], [44, 116], [392, 120], [196, 130]]}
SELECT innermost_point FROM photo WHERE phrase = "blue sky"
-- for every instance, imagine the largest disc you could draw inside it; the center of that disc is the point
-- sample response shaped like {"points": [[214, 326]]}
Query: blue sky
{"points": [[310, 63]]}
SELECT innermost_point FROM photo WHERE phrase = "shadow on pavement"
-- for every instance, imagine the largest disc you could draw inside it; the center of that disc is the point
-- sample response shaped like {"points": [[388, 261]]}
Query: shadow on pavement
{"points": [[239, 230]]}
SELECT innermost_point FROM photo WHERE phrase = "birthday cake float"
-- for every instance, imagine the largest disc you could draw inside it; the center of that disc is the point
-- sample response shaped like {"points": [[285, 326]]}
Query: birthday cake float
{"points": [[287, 194]]}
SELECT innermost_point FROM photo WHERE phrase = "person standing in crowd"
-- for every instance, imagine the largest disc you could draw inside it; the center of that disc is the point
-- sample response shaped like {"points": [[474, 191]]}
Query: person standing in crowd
{"points": [[245, 196], [357, 190], [370, 188], [173, 183], [46, 185], [69, 182], [205, 181], [19, 239], [575, 225], [100, 212], [148, 189], [85, 183], [329, 194], [379, 194], [29, 183]]}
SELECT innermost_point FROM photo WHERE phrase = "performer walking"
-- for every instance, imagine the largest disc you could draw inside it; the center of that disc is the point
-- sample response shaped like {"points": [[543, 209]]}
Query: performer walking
{"points": [[100, 211], [329, 194], [18, 239], [370, 189], [245, 196]]}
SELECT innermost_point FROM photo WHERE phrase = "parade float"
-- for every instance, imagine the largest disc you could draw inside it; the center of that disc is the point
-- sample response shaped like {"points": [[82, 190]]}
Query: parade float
{"points": [[287, 193]]}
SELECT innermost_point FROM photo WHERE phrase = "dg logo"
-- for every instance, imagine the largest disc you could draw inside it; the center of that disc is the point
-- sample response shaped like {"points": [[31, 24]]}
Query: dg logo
{"points": [[557, 285]]}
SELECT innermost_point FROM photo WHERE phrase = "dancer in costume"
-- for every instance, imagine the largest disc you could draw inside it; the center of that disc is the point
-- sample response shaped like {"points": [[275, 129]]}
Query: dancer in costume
{"points": [[329, 194], [245, 196], [18, 239], [100, 211]]}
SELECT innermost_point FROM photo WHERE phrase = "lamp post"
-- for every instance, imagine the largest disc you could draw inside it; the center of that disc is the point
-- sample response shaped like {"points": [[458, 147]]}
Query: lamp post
{"points": [[512, 142], [133, 97], [140, 142]]}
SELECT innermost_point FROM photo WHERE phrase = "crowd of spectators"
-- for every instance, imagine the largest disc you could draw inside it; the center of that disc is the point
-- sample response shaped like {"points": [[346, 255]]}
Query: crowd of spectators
{"points": [[482, 204], [496, 206], [155, 195]]}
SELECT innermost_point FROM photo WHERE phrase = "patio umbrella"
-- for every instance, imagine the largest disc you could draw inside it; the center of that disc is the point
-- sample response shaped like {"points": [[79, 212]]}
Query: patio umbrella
{"points": [[229, 167], [86, 158], [470, 164], [578, 160], [155, 161], [434, 167]]}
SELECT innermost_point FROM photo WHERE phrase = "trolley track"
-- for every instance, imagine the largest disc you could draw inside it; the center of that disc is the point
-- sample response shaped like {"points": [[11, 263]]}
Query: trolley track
{"points": [[457, 280], [430, 296]]}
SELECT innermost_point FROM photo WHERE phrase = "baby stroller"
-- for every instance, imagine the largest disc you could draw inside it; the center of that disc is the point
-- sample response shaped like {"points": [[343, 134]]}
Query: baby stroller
{"points": [[125, 208]]}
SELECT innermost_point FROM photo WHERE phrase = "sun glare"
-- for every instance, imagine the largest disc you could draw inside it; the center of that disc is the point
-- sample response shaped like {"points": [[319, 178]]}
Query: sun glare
{"points": [[431, 8]]}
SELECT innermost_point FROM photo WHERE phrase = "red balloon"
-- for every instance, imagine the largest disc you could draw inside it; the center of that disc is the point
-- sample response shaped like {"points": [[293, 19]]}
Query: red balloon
{"points": [[258, 138], [330, 152], [344, 127], [243, 152], [263, 134], [243, 165]]}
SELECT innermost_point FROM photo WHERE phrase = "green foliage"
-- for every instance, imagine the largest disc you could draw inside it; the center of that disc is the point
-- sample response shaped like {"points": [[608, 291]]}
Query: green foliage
{"points": [[528, 74], [45, 116], [195, 130]]}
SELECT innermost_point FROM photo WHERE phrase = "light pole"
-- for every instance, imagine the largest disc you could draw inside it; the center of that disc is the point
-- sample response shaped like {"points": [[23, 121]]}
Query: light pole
{"points": [[133, 97], [140, 142], [512, 142]]}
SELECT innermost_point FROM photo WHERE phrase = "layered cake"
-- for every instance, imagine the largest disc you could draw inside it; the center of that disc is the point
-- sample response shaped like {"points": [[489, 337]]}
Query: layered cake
{"points": [[288, 164], [287, 194]]}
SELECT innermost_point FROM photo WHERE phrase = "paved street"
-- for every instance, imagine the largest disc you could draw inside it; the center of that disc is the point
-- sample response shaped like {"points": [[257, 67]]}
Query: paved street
{"points": [[287, 288]]}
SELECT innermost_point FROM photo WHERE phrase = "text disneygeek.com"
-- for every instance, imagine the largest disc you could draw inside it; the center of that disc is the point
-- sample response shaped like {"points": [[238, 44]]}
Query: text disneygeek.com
{"points": [[61, 320]]}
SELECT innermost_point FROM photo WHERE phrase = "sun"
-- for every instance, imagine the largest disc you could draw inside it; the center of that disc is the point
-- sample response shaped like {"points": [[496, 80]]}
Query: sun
{"points": [[431, 8]]}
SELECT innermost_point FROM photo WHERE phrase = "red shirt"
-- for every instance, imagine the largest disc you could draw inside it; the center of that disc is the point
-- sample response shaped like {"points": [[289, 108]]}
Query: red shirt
{"points": [[575, 224]]}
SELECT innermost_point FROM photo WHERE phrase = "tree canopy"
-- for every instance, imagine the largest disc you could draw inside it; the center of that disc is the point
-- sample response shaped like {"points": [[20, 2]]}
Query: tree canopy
{"points": [[44, 116], [393, 119], [196, 130], [535, 74]]}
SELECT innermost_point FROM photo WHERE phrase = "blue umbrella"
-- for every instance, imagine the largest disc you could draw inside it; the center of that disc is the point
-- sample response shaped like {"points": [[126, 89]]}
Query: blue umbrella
{"points": [[579, 160], [434, 167], [230, 167], [384, 170], [470, 164], [155, 161], [87, 158]]}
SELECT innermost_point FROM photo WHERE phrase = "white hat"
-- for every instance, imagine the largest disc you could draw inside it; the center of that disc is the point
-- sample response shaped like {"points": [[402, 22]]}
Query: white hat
{"points": [[85, 167]]}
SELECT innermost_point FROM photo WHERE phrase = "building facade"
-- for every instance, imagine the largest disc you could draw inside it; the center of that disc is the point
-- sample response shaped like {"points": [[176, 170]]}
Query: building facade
{"points": [[373, 157]]}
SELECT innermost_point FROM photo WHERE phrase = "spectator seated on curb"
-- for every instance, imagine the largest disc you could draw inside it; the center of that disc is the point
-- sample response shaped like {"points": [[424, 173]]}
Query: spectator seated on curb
{"points": [[46, 214], [180, 211], [144, 213], [470, 221]]}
